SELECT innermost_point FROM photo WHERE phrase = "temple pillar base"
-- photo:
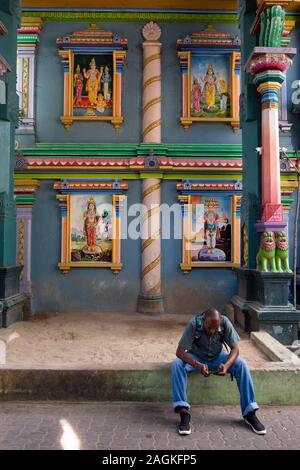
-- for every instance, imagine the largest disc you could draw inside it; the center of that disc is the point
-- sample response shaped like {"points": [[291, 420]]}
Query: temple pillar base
{"points": [[262, 303], [11, 300], [151, 304]]}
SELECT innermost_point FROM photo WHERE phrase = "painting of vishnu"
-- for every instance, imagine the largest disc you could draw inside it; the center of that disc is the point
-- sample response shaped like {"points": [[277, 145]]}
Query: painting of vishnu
{"points": [[92, 84], [210, 86], [211, 228], [91, 228]]}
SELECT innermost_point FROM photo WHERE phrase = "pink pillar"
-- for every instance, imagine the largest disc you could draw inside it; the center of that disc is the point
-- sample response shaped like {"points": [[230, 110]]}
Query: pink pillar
{"points": [[271, 193]]}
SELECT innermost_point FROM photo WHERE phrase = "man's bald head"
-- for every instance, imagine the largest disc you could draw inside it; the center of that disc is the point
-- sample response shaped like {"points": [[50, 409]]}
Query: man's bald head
{"points": [[212, 314], [212, 318]]}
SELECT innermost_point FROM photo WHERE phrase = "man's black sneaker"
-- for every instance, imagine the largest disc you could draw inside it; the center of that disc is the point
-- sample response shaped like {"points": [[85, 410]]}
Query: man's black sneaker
{"points": [[184, 426], [254, 423]]}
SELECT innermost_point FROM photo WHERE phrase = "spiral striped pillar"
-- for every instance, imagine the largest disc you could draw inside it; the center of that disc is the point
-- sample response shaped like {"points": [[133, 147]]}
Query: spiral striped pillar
{"points": [[151, 84], [150, 298]]}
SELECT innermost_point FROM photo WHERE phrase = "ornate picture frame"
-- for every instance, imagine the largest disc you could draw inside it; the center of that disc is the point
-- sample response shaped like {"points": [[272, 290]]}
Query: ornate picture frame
{"points": [[210, 68], [93, 60], [90, 224], [210, 227]]}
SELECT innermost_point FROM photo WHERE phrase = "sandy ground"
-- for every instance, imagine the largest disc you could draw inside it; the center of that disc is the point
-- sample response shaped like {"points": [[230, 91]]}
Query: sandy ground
{"points": [[103, 339]]}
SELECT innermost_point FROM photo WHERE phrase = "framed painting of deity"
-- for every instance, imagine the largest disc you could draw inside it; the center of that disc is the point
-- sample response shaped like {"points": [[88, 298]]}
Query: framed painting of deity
{"points": [[210, 66], [90, 224], [211, 230], [93, 61]]}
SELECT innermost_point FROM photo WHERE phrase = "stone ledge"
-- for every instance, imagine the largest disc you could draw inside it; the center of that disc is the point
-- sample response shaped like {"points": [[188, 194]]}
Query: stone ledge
{"points": [[278, 386], [273, 349]]}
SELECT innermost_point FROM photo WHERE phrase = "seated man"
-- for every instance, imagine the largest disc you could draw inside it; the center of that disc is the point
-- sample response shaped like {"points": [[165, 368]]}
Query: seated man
{"points": [[201, 349]]}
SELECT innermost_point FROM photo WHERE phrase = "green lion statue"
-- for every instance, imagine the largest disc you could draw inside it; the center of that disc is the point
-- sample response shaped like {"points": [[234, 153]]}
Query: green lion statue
{"points": [[282, 253], [266, 254]]}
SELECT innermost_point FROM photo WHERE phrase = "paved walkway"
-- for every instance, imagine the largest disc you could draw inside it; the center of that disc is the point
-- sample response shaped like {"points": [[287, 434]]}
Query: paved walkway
{"points": [[145, 426]]}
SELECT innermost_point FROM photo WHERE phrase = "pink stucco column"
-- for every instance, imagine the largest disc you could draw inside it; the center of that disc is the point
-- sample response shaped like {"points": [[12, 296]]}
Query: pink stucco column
{"points": [[269, 65]]}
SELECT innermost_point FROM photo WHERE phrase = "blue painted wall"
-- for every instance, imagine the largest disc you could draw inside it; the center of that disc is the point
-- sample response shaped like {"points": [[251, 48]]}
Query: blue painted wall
{"points": [[202, 287], [49, 90], [81, 289], [99, 289]]}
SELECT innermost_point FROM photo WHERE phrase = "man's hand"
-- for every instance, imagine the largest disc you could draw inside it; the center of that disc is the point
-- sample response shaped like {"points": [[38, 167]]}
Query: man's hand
{"points": [[222, 369], [203, 369]]}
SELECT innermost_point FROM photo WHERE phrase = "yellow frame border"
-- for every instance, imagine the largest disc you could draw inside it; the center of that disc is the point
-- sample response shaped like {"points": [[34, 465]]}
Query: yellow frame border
{"points": [[233, 120], [68, 119], [115, 265], [187, 264]]}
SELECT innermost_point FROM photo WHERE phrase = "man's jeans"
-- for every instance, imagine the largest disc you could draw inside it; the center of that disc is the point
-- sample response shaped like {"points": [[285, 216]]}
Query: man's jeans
{"points": [[239, 369]]}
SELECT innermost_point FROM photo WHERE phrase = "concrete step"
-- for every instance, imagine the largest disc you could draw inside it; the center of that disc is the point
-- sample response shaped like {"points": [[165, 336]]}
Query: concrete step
{"points": [[279, 383]]}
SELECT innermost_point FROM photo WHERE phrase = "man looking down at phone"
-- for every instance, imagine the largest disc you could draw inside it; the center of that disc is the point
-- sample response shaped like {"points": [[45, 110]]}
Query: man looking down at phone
{"points": [[200, 349]]}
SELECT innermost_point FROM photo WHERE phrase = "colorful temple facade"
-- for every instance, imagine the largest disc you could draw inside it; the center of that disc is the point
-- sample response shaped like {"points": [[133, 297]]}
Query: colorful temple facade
{"points": [[149, 159]]}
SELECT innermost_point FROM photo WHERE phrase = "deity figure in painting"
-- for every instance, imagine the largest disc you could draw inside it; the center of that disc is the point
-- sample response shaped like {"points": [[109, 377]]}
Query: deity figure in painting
{"points": [[91, 220], [211, 231], [196, 95], [101, 103], [93, 77], [78, 85], [210, 87], [106, 80]]}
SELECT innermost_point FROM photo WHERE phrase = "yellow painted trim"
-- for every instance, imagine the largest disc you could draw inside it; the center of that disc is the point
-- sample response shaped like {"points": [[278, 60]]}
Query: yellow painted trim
{"points": [[150, 190], [150, 266], [25, 84], [150, 213], [156, 78], [189, 251], [114, 218], [189, 85], [150, 240], [71, 81], [232, 104], [115, 264], [26, 183], [151, 126], [155, 289], [114, 82], [233, 228], [268, 86], [150, 59], [227, 264], [151, 103], [68, 239], [187, 264]]}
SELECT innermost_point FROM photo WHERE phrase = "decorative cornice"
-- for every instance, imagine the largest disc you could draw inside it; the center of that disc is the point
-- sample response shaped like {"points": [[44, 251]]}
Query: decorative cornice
{"points": [[92, 36], [168, 163], [31, 25], [71, 186], [209, 38], [197, 186], [25, 191], [25, 39], [82, 150], [124, 17]]}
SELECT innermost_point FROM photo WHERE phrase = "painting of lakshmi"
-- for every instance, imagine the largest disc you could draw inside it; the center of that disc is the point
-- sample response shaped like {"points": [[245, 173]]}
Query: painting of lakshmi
{"points": [[92, 84], [210, 85], [91, 228], [211, 229]]}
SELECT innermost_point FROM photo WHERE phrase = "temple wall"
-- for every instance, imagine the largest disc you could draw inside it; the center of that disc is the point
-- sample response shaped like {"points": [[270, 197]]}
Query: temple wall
{"points": [[99, 289]]}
